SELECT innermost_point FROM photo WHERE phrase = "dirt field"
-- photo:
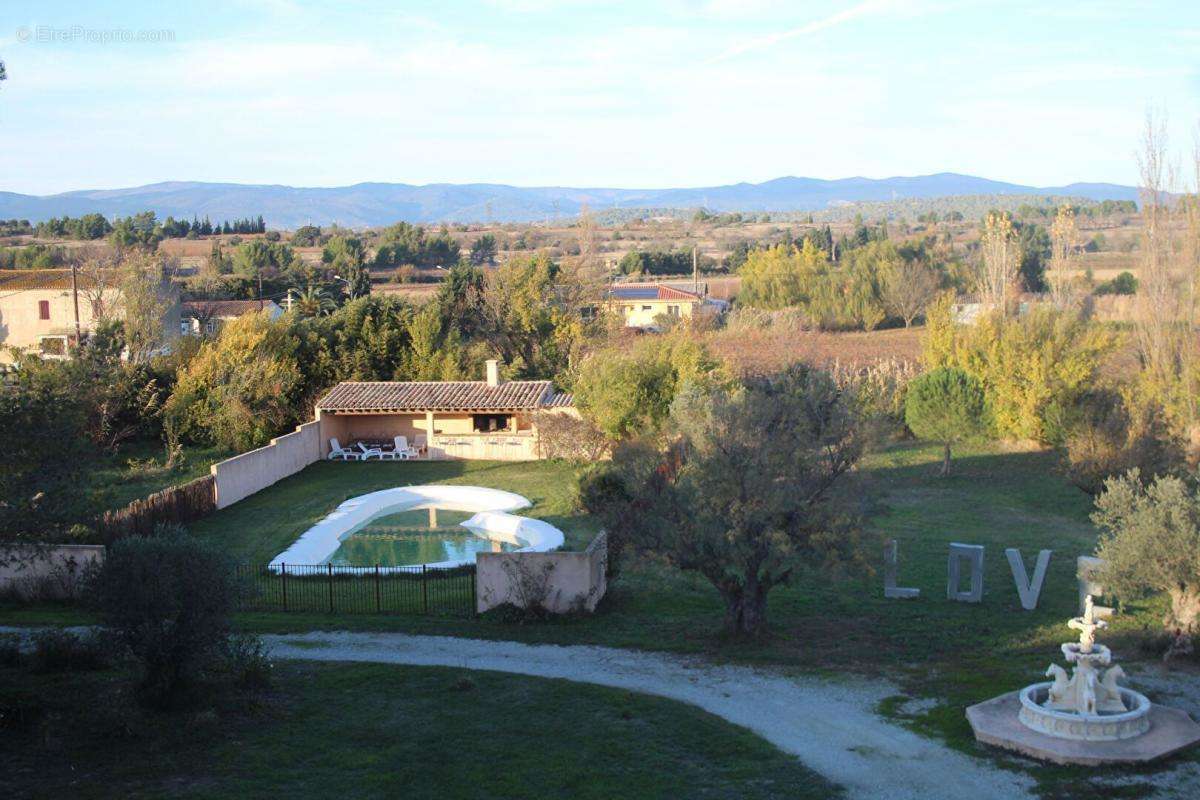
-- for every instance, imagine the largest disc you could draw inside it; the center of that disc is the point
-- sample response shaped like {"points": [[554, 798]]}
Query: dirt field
{"points": [[770, 350]]}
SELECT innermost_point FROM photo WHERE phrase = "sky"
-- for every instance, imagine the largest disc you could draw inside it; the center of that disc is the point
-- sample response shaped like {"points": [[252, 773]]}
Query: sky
{"points": [[580, 93]]}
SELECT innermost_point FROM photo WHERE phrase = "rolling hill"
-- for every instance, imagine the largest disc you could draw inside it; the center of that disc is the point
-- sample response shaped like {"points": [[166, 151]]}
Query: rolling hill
{"points": [[369, 204]]}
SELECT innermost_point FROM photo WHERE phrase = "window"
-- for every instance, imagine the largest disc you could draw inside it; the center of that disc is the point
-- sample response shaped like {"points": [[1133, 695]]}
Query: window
{"points": [[43, 309], [210, 326], [647, 308], [185, 326], [673, 311]]}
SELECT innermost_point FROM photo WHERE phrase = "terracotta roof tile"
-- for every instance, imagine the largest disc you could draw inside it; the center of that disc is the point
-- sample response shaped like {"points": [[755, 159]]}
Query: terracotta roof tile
{"points": [[20, 280], [437, 396]]}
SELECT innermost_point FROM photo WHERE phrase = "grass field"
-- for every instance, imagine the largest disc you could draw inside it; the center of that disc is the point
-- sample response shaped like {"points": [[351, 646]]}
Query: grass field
{"points": [[355, 730], [137, 471], [954, 653]]}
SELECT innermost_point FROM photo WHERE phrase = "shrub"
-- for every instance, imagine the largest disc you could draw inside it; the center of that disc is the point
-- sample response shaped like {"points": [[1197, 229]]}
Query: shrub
{"points": [[567, 436], [602, 492], [1150, 541], [1034, 370], [64, 651], [877, 390], [245, 661], [625, 395], [239, 390], [10, 649], [1109, 439], [946, 405], [1125, 283], [169, 599]]}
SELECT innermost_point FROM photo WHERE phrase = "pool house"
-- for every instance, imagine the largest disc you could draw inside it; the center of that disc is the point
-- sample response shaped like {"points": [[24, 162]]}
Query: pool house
{"points": [[489, 419]]}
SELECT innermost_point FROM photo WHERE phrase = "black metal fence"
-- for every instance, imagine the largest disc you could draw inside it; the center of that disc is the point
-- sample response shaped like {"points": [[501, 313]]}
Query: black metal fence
{"points": [[359, 590]]}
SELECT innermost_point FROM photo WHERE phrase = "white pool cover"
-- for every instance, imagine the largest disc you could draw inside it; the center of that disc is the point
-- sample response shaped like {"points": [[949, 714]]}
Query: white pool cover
{"points": [[491, 521]]}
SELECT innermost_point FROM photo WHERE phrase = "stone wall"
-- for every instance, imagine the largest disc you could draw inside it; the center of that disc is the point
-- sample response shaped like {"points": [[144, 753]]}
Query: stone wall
{"points": [[241, 476], [45, 572], [560, 581]]}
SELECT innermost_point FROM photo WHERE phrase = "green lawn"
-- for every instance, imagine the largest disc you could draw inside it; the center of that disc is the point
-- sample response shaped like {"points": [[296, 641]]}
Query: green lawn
{"points": [[260, 527], [955, 653], [137, 471], [354, 730], [995, 498]]}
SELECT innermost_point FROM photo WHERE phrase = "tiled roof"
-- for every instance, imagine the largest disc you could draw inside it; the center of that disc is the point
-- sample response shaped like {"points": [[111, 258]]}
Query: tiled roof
{"points": [[438, 396], [650, 291], [21, 280], [221, 308], [561, 400]]}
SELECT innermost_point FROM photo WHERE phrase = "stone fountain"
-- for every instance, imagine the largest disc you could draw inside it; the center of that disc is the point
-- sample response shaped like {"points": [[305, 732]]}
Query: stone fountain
{"points": [[1085, 718], [1086, 706]]}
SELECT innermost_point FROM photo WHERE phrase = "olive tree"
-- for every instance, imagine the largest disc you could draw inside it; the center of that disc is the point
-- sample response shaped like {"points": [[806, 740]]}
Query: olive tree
{"points": [[170, 599], [746, 491], [946, 405], [1150, 541]]}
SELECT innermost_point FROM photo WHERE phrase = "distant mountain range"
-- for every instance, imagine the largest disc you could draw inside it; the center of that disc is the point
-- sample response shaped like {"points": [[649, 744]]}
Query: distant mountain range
{"points": [[371, 204]]}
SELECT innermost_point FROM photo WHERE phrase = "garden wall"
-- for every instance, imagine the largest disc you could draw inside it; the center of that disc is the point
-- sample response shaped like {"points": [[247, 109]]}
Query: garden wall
{"points": [[46, 572], [241, 476], [559, 581]]}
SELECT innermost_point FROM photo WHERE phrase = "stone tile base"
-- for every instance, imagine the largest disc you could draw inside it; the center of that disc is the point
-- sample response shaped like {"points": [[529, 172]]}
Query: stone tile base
{"points": [[995, 722]]}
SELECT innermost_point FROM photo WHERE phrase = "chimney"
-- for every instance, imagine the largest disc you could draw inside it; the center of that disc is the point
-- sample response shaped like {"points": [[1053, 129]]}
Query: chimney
{"points": [[493, 372]]}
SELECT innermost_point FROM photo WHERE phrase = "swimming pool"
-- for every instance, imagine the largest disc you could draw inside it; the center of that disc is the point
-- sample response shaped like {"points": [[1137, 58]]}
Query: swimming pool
{"points": [[419, 536], [452, 541]]}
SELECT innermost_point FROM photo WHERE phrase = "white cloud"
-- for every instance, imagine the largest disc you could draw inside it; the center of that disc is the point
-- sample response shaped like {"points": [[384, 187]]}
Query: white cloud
{"points": [[860, 10]]}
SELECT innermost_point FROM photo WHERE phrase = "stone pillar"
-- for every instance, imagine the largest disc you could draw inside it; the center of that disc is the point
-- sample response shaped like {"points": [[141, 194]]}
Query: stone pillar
{"points": [[891, 558], [972, 553], [1028, 590]]}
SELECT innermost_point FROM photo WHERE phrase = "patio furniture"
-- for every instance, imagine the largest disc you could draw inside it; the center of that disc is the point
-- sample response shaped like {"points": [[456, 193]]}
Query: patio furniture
{"points": [[403, 450], [420, 444], [369, 451], [336, 452]]}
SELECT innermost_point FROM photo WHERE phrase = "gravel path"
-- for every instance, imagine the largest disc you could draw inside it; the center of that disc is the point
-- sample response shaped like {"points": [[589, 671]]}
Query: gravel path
{"points": [[831, 726]]}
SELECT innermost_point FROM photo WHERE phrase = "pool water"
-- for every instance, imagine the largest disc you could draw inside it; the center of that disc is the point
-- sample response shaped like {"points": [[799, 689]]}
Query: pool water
{"points": [[414, 537]]}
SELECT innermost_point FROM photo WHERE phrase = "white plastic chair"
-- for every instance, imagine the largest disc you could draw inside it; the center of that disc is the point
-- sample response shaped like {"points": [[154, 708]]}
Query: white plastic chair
{"points": [[336, 452], [403, 450], [369, 452]]}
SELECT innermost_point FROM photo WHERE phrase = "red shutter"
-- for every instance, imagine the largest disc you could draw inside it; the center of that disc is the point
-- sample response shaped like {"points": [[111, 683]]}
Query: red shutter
{"points": [[43, 309]]}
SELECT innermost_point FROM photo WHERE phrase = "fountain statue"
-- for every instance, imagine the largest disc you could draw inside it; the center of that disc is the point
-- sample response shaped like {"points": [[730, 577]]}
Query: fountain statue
{"points": [[1086, 705], [1084, 717]]}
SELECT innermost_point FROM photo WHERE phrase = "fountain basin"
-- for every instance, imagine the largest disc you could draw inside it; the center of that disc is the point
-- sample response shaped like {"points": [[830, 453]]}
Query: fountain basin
{"points": [[1084, 727]]}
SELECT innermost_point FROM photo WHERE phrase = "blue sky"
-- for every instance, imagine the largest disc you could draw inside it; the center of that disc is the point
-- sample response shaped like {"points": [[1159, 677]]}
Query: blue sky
{"points": [[637, 94]]}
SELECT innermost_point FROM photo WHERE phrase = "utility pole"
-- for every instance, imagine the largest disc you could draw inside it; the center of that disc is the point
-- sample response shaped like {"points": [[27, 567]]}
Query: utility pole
{"points": [[695, 272], [75, 299], [260, 300]]}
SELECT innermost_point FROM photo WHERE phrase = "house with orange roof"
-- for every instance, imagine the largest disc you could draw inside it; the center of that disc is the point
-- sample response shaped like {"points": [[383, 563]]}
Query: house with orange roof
{"points": [[46, 311], [648, 305]]}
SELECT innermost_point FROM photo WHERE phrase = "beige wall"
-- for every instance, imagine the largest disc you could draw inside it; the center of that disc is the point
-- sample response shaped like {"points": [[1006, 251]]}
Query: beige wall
{"points": [[21, 327], [241, 476], [564, 581], [46, 572], [641, 313]]}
